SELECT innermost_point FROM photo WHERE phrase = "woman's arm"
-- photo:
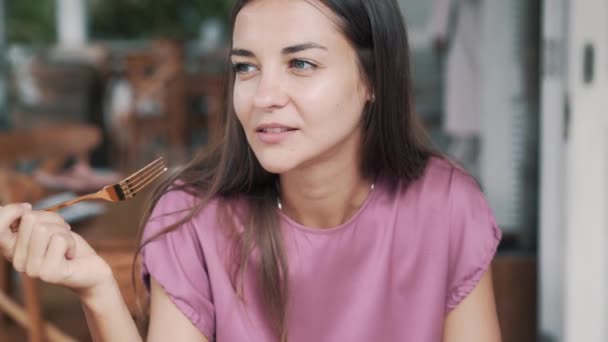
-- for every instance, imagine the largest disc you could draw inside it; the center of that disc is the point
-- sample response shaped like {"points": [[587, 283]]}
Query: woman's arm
{"points": [[107, 315], [167, 322], [109, 319], [44, 247], [475, 318]]}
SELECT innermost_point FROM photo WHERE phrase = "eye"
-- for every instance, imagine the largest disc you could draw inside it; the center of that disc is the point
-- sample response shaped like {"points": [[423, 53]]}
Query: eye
{"points": [[243, 68], [302, 65]]}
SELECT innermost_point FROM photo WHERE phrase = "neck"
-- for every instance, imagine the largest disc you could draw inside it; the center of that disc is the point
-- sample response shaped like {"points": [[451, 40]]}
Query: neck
{"points": [[324, 195]]}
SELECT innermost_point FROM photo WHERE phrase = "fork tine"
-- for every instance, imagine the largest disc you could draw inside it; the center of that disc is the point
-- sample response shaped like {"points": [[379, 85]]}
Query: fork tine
{"points": [[132, 182], [133, 189], [144, 169], [125, 189], [144, 174]]}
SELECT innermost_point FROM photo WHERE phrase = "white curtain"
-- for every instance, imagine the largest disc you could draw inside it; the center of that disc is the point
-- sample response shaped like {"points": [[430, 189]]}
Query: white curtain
{"points": [[71, 22]]}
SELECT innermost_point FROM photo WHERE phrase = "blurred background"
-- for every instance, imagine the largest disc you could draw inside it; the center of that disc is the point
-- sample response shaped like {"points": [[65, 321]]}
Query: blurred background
{"points": [[514, 90]]}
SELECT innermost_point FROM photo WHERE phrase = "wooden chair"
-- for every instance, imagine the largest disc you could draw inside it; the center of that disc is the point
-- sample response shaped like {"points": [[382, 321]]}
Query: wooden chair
{"points": [[205, 91], [157, 79], [50, 146], [65, 92]]}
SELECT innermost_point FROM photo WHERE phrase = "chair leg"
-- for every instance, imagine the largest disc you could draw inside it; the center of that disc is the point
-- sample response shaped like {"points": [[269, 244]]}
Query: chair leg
{"points": [[33, 308], [5, 286]]}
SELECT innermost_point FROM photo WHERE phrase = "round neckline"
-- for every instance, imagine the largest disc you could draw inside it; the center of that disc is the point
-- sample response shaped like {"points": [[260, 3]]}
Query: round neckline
{"points": [[291, 222]]}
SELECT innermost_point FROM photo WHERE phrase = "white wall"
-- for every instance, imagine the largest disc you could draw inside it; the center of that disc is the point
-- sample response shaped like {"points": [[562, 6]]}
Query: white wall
{"points": [[586, 238], [552, 171]]}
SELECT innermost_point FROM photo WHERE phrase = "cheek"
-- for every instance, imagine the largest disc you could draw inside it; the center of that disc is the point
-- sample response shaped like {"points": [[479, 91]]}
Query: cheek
{"points": [[328, 125], [338, 97], [241, 101], [335, 111]]}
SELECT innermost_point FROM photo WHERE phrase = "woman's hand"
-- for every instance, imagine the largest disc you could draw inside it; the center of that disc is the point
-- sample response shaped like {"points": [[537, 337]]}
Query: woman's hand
{"points": [[44, 247]]}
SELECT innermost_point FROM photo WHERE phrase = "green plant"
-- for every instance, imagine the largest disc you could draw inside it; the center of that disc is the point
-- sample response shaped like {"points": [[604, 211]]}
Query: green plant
{"points": [[30, 21], [136, 19]]}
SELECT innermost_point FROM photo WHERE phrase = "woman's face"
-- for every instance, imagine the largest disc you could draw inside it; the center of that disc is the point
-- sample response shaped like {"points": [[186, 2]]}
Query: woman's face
{"points": [[298, 91]]}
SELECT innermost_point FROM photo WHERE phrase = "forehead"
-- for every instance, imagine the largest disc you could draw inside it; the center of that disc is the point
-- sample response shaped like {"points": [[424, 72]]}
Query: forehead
{"points": [[284, 22]]}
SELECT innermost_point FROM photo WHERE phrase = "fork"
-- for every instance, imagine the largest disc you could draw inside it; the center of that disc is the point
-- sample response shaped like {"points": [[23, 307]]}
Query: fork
{"points": [[123, 190]]}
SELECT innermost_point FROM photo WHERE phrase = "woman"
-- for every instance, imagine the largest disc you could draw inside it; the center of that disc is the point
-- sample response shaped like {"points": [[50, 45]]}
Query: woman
{"points": [[321, 217]]}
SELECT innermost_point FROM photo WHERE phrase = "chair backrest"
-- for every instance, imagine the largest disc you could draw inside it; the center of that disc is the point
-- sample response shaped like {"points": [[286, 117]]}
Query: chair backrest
{"points": [[158, 83], [53, 144], [210, 88], [48, 142], [140, 69]]}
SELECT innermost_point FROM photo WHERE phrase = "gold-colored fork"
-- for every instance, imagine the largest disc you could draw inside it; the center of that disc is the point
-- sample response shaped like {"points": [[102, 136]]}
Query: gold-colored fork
{"points": [[123, 190]]}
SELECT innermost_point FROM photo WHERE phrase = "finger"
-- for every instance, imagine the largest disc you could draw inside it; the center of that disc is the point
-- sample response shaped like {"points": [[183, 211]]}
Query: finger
{"points": [[7, 246], [28, 222], [71, 251], [52, 268], [50, 217], [42, 216], [10, 213], [38, 245]]}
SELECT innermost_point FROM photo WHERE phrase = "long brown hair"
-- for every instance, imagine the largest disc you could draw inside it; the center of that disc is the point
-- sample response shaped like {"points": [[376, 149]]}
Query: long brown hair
{"points": [[392, 147]]}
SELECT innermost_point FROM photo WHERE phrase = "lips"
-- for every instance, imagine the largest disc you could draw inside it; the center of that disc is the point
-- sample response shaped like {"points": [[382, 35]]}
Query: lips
{"points": [[274, 133], [273, 128]]}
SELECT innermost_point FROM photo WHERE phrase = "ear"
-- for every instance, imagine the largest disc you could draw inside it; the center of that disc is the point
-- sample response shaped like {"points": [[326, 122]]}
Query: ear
{"points": [[366, 91], [370, 95]]}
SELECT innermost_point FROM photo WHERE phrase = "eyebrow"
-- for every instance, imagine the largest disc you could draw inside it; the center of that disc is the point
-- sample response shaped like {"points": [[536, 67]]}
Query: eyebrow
{"points": [[301, 47], [286, 51]]}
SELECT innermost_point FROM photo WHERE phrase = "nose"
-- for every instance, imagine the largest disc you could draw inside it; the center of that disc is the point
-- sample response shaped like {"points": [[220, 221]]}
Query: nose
{"points": [[270, 92]]}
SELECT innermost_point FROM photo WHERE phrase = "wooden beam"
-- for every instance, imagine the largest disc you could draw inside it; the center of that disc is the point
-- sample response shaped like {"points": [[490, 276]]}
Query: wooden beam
{"points": [[17, 313]]}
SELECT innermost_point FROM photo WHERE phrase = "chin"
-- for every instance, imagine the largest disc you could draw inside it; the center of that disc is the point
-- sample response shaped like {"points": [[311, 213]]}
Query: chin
{"points": [[277, 163], [276, 166]]}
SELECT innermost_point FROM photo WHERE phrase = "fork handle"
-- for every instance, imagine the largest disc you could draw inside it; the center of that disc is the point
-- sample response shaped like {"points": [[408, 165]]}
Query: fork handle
{"points": [[15, 225], [68, 203]]}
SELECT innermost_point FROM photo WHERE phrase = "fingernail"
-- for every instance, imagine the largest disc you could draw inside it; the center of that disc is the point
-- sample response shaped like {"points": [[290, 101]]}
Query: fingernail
{"points": [[26, 205]]}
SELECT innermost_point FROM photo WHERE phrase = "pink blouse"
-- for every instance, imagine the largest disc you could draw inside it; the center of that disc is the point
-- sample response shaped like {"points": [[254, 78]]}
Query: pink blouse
{"points": [[392, 272]]}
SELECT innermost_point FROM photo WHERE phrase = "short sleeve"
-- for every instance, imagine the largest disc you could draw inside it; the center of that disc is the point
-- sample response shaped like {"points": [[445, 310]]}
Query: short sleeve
{"points": [[176, 261], [474, 237]]}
